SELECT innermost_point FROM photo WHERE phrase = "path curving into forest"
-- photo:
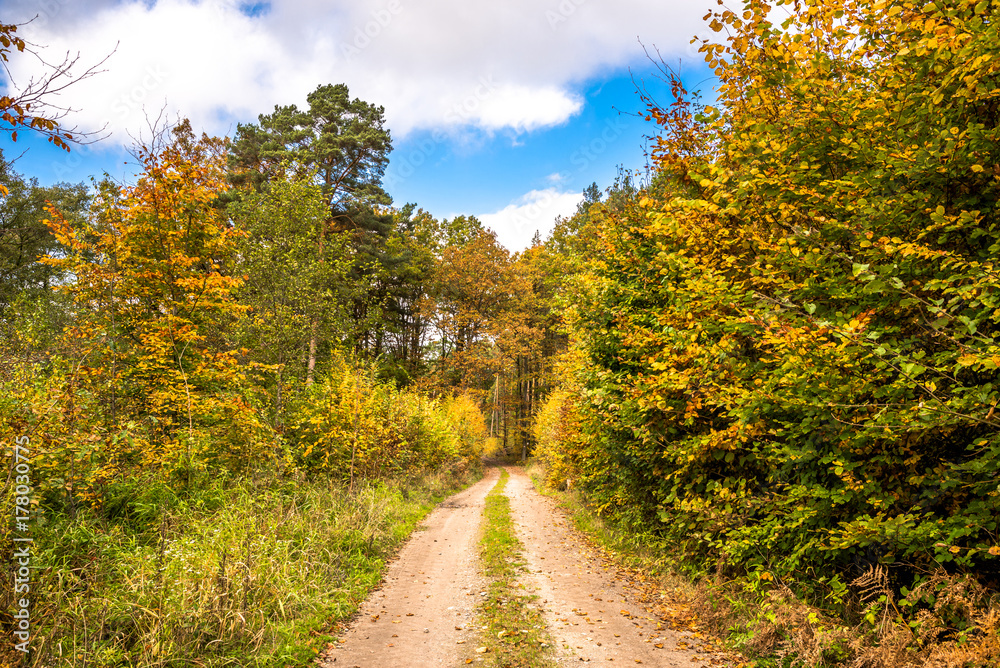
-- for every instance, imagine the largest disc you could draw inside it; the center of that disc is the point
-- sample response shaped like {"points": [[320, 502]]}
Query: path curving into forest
{"points": [[424, 613]]}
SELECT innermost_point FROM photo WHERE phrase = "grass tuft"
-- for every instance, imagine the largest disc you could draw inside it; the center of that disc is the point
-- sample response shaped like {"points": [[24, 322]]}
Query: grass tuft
{"points": [[514, 631]]}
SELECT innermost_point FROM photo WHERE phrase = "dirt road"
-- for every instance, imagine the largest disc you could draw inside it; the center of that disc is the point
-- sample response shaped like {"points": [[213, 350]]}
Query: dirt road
{"points": [[587, 609], [424, 614]]}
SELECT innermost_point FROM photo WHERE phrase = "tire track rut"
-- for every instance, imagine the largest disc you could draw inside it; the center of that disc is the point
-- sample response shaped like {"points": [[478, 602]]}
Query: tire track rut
{"points": [[422, 615]]}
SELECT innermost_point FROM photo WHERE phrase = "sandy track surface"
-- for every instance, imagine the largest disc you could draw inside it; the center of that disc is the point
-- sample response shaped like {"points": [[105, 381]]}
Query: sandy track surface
{"points": [[587, 609], [423, 614]]}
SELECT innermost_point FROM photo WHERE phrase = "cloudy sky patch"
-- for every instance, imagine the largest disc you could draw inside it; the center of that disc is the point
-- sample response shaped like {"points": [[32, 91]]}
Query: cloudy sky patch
{"points": [[517, 83]]}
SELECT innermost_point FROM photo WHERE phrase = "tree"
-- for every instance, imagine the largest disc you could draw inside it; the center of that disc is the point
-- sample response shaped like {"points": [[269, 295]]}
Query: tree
{"points": [[403, 287], [480, 307], [790, 346], [342, 146], [154, 293], [31, 314], [460, 231], [296, 296], [340, 143], [24, 236], [572, 238]]}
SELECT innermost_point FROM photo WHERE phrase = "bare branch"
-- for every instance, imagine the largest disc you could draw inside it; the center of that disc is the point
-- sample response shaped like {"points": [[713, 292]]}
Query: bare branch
{"points": [[32, 106]]}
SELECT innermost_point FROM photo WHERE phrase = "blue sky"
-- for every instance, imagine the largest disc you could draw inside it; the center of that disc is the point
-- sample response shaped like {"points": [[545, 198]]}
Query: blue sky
{"points": [[506, 111]]}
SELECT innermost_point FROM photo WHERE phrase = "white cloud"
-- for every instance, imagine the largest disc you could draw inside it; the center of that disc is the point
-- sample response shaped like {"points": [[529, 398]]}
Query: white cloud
{"points": [[511, 65], [535, 211]]}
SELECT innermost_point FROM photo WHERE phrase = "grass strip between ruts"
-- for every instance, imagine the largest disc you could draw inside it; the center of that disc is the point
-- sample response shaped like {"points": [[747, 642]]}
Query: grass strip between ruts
{"points": [[514, 631]]}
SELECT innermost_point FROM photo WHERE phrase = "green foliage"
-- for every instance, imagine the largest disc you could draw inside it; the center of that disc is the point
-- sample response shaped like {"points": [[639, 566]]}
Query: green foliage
{"points": [[24, 236], [789, 345], [295, 277], [31, 315], [242, 572], [341, 143]]}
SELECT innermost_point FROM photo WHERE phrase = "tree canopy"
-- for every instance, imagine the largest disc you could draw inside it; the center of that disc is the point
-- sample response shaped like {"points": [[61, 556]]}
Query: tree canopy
{"points": [[340, 143]]}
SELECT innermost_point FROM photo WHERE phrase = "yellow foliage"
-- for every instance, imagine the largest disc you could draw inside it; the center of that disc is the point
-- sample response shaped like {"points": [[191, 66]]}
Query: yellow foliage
{"points": [[560, 442], [350, 425]]}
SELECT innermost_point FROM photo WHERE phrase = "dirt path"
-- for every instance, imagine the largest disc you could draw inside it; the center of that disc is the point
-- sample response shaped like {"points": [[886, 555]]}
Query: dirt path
{"points": [[424, 613], [588, 611], [422, 616]]}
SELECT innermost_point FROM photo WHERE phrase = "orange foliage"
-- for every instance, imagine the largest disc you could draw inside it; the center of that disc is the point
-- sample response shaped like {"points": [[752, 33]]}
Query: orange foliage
{"points": [[155, 302]]}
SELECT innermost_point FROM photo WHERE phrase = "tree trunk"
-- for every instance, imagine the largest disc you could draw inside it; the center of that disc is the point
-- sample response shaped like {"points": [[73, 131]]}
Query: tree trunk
{"points": [[311, 364], [503, 415], [314, 324]]}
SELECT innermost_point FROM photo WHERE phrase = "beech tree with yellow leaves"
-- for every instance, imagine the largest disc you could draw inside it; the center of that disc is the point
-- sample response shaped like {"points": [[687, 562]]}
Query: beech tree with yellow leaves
{"points": [[154, 293], [790, 341]]}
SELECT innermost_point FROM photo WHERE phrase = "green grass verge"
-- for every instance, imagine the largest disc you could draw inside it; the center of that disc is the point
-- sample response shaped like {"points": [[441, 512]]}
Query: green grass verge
{"points": [[514, 631], [242, 573]]}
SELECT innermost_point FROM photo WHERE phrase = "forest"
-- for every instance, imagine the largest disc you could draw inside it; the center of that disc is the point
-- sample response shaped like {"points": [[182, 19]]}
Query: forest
{"points": [[773, 361]]}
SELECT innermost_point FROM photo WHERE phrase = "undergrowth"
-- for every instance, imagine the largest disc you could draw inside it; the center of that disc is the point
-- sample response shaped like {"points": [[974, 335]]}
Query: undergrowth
{"points": [[249, 572], [946, 621], [514, 632]]}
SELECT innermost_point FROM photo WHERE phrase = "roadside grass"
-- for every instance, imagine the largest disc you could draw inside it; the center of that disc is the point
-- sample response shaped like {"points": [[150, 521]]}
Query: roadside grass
{"points": [[514, 632], [249, 573], [773, 628]]}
